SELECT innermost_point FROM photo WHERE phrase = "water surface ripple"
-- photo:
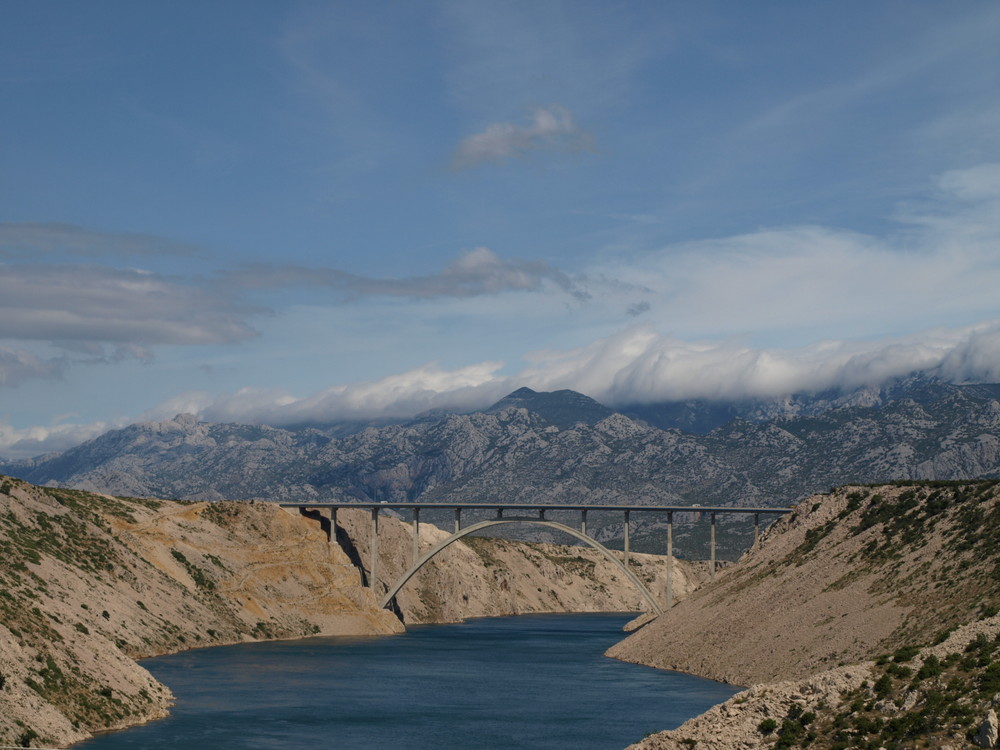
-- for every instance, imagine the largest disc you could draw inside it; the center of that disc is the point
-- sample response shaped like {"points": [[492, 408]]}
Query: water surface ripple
{"points": [[537, 681]]}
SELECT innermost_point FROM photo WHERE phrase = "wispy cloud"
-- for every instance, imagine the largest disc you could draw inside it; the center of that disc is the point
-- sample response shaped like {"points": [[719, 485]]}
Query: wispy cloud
{"points": [[118, 306], [17, 365], [474, 273], [551, 129], [30, 239]]}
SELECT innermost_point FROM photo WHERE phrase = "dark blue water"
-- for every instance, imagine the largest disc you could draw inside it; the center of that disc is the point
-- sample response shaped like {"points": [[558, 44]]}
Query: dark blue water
{"points": [[536, 681]]}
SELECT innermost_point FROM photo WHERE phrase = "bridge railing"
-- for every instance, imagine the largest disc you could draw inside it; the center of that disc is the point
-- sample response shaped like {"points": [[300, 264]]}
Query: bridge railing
{"points": [[376, 508]]}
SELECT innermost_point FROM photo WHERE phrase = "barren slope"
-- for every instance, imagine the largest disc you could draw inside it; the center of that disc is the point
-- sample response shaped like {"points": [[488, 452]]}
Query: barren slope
{"points": [[831, 615], [845, 577]]}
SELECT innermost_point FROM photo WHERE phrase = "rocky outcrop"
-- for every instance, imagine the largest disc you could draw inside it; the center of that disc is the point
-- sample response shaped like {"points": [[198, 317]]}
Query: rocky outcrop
{"points": [[989, 731], [89, 583]]}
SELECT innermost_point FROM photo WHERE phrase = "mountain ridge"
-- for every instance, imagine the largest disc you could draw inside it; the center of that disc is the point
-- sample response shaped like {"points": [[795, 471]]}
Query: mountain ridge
{"points": [[556, 447]]}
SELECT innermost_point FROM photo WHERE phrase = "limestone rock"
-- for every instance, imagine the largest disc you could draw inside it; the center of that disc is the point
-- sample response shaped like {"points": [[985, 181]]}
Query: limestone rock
{"points": [[989, 730]]}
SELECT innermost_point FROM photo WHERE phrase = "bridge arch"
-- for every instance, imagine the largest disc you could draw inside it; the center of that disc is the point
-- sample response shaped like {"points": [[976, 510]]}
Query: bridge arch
{"points": [[431, 553]]}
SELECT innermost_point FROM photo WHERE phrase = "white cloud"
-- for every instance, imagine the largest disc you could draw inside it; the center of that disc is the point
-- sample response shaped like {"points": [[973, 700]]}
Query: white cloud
{"points": [[551, 128], [940, 266], [402, 395], [36, 441], [121, 306], [639, 365], [976, 183]]}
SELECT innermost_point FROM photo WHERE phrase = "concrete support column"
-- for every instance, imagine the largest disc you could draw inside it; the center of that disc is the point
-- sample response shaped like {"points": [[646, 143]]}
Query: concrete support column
{"points": [[458, 520], [712, 545], [373, 583], [670, 560], [583, 522], [756, 527], [626, 537], [541, 514], [416, 535], [333, 525], [499, 513]]}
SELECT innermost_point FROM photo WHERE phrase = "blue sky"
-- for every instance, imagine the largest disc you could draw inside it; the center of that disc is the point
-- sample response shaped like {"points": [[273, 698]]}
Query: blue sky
{"points": [[283, 211]]}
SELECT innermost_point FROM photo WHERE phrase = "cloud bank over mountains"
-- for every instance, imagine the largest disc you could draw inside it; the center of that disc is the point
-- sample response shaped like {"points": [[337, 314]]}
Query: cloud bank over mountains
{"points": [[637, 365], [795, 309]]}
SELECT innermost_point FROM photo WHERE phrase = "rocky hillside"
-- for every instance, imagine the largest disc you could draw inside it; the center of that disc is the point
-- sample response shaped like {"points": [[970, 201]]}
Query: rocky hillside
{"points": [[856, 612], [88, 583], [558, 446], [940, 696]]}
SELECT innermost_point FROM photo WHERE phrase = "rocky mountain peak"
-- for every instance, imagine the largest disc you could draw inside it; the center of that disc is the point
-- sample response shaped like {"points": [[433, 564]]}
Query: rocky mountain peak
{"points": [[563, 408]]}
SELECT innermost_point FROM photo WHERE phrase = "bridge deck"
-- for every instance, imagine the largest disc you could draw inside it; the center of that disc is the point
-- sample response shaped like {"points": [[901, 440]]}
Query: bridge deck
{"points": [[539, 506]]}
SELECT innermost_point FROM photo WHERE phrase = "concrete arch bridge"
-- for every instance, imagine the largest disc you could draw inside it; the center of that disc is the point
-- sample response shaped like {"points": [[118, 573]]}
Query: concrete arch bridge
{"points": [[503, 513]]}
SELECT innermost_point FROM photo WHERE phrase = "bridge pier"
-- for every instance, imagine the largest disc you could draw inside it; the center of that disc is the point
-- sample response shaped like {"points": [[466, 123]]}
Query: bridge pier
{"points": [[583, 522], [626, 538], [373, 583], [416, 534], [670, 560], [458, 520], [333, 525], [712, 550], [756, 527]]}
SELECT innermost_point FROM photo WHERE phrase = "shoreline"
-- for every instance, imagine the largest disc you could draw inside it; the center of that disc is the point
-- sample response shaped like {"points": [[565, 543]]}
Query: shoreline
{"points": [[520, 623]]}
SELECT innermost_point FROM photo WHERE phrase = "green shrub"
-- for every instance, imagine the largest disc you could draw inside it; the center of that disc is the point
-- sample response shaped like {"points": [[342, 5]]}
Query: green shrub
{"points": [[989, 680], [931, 668], [883, 686]]}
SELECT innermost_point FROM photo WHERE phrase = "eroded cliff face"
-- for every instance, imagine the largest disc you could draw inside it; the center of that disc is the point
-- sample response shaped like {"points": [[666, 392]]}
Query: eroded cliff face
{"points": [[89, 583]]}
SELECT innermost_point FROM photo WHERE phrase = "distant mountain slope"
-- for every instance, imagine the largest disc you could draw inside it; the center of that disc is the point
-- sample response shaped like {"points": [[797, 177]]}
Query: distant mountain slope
{"points": [[555, 447]]}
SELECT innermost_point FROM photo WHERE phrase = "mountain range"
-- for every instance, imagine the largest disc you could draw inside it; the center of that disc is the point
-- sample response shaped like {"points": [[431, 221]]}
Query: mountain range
{"points": [[558, 447]]}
